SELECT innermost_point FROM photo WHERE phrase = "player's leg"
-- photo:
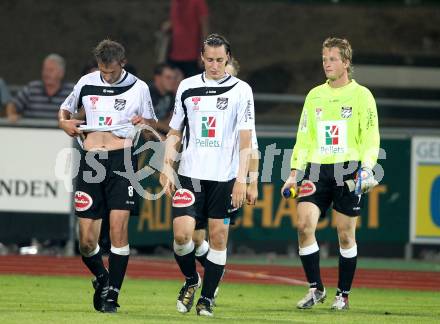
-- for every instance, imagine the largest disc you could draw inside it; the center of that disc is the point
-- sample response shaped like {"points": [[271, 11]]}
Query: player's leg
{"points": [[91, 256], [347, 206], [200, 243], [184, 254], [120, 200], [215, 264], [218, 202], [90, 208], [308, 216], [118, 256], [186, 204], [346, 227]]}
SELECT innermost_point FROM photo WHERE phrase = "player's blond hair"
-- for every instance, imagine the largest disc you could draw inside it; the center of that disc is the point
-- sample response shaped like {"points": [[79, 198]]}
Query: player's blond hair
{"points": [[344, 48]]}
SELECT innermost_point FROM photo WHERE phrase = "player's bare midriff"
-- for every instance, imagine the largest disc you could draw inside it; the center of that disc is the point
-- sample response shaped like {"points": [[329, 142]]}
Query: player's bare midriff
{"points": [[105, 141]]}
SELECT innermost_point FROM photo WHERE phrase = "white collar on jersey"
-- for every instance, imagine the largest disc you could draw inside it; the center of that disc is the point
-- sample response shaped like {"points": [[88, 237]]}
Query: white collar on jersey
{"points": [[215, 82], [123, 73]]}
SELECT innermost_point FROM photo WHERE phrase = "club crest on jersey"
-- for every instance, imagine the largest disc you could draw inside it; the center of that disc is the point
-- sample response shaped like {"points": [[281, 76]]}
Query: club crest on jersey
{"points": [[83, 201], [222, 103], [94, 100], [346, 112], [195, 101], [120, 104], [183, 198]]}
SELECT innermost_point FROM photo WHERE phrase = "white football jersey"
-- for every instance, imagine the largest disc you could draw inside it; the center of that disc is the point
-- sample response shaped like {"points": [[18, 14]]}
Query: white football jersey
{"points": [[211, 113], [108, 105]]}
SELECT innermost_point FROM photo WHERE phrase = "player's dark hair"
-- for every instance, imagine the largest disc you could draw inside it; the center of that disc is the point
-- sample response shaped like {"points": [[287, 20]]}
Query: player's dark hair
{"points": [[158, 69], [216, 40], [344, 48], [109, 51]]}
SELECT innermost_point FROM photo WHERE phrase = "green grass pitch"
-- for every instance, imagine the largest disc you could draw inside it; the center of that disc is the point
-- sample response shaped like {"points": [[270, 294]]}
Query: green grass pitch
{"points": [[39, 299]]}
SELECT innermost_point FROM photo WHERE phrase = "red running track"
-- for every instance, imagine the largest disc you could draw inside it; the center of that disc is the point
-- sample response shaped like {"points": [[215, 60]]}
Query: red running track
{"points": [[261, 274]]}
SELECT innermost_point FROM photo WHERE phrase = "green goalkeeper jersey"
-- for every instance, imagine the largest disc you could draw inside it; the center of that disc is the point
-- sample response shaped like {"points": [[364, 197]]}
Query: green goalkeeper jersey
{"points": [[337, 125]]}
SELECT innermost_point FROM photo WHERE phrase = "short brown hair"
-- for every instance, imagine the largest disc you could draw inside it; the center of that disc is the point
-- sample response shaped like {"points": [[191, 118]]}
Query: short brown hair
{"points": [[344, 48], [109, 51]]}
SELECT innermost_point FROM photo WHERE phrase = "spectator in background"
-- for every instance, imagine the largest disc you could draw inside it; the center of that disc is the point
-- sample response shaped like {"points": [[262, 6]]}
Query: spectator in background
{"points": [[188, 25], [42, 98], [162, 95], [5, 95], [89, 67], [178, 77]]}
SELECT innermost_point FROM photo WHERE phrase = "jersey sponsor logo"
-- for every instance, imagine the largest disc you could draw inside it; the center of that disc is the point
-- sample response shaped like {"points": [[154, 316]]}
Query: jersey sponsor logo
{"points": [[318, 113], [332, 137], [105, 121], [183, 198], [208, 126], [307, 188], [71, 99], [209, 130], [195, 101], [83, 201], [303, 125], [120, 104], [222, 103], [94, 100], [108, 91], [248, 112], [346, 112]]}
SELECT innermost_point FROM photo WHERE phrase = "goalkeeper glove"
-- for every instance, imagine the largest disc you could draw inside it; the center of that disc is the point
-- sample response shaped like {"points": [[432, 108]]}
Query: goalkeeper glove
{"points": [[363, 182]]}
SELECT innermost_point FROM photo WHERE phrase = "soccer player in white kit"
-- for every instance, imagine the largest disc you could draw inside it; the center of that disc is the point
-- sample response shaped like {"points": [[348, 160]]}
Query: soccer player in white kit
{"points": [[199, 236], [114, 101], [216, 112]]}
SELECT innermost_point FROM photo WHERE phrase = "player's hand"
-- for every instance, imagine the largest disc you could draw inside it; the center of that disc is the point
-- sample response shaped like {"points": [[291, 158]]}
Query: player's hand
{"points": [[238, 194], [367, 180], [137, 120], [166, 181], [252, 193], [70, 126], [290, 182]]}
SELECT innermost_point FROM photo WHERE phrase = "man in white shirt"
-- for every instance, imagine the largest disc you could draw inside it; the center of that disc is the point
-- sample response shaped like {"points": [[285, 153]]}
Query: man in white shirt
{"points": [[114, 101], [199, 236], [216, 112]]}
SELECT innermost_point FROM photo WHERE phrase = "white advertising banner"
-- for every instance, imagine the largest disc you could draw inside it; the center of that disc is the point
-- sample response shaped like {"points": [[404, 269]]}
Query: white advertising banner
{"points": [[29, 169]]}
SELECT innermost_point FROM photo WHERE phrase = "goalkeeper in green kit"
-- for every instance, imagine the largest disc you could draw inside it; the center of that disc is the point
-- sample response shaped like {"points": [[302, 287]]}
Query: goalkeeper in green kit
{"points": [[336, 148]]}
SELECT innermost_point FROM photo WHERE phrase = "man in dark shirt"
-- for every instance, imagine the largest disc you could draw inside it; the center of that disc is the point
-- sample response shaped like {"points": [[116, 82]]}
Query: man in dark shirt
{"points": [[42, 98], [162, 95]]}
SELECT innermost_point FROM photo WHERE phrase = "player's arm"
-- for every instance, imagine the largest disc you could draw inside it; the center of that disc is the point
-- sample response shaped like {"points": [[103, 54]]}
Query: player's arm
{"points": [[173, 144], [239, 189], [67, 108], [369, 131], [168, 174], [300, 152], [369, 139], [252, 188], [68, 124], [245, 124], [146, 115]]}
